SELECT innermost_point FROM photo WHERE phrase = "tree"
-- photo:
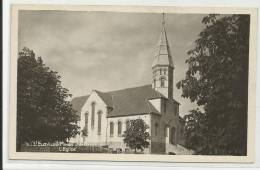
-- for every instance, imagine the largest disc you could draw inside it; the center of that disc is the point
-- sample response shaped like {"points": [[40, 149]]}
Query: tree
{"points": [[136, 135], [84, 133], [43, 112], [195, 130], [217, 79]]}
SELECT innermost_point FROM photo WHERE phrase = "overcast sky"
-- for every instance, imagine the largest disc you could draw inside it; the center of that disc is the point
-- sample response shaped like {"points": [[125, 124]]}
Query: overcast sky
{"points": [[107, 50]]}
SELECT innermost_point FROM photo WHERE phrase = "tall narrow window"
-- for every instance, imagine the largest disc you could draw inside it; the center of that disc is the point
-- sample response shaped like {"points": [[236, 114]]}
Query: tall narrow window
{"points": [[166, 131], [160, 71], [119, 128], [162, 82], [93, 105], [154, 82], [156, 129], [99, 122], [86, 119], [111, 129], [127, 124]]}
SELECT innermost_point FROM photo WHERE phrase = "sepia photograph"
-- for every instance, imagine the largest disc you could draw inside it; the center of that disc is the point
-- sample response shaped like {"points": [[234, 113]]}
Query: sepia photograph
{"points": [[127, 84]]}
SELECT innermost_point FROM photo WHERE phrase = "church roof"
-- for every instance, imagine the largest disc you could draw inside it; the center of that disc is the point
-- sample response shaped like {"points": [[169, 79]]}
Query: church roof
{"points": [[163, 53], [126, 102], [106, 97], [78, 102]]}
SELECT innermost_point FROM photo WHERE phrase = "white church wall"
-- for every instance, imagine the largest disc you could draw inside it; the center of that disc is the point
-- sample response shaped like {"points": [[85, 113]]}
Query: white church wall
{"points": [[116, 141], [93, 136], [124, 119]]}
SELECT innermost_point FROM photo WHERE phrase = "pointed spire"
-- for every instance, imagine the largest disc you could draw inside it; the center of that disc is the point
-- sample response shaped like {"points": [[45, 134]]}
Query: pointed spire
{"points": [[163, 20], [163, 38], [163, 54]]}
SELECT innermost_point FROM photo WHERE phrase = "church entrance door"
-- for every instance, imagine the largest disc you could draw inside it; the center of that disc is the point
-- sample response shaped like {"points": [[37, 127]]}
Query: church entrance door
{"points": [[173, 136]]}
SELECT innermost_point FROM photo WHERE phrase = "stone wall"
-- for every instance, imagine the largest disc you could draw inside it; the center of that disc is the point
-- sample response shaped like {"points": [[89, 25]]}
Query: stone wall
{"points": [[158, 148]]}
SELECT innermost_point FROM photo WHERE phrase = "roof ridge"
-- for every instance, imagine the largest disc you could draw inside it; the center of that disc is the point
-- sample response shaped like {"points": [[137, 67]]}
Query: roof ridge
{"points": [[108, 92], [105, 97], [129, 88], [79, 96], [99, 91]]}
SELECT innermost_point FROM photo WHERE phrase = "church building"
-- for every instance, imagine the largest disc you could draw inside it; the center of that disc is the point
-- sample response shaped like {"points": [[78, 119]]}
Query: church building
{"points": [[106, 115]]}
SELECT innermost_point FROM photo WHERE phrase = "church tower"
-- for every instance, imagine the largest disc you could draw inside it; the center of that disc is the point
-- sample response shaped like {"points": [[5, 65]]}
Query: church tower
{"points": [[162, 66]]}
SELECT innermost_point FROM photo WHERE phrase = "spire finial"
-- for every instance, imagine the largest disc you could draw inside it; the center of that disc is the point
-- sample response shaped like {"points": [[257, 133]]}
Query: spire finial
{"points": [[163, 20]]}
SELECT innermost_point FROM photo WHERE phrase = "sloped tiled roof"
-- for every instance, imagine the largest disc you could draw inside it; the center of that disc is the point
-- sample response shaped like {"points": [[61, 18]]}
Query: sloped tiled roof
{"points": [[106, 97], [78, 102], [131, 101]]}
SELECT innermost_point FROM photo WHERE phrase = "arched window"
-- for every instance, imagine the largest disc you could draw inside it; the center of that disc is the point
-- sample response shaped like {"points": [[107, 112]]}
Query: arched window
{"points": [[127, 124], [173, 136], [99, 122], [86, 119], [166, 131], [111, 129], [162, 82], [93, 105], [119, 128], [156, 128]]}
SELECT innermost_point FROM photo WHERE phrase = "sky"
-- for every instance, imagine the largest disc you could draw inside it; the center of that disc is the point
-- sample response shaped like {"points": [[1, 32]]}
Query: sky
{"points": [[107, 51]]}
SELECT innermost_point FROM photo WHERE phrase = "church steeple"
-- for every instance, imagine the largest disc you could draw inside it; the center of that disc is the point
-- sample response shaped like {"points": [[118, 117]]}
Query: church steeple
{"points": [[163, 65]]}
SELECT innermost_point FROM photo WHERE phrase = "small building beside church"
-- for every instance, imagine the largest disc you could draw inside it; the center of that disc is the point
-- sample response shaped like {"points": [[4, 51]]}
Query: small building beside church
{"points": [[106, 115]]}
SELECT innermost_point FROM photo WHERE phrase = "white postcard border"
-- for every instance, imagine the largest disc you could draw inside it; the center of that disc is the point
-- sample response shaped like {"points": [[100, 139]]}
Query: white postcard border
{"points": [[131, 157]]}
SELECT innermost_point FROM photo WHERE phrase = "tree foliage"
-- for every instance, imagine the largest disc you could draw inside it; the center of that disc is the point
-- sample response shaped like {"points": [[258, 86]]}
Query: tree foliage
{"points": [[84, 131], [217, 79], [195, 130], [43, 112], [136, 135]]}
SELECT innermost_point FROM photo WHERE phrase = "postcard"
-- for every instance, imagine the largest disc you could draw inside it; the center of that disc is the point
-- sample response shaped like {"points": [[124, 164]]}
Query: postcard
{"points": [[128, 83]]}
